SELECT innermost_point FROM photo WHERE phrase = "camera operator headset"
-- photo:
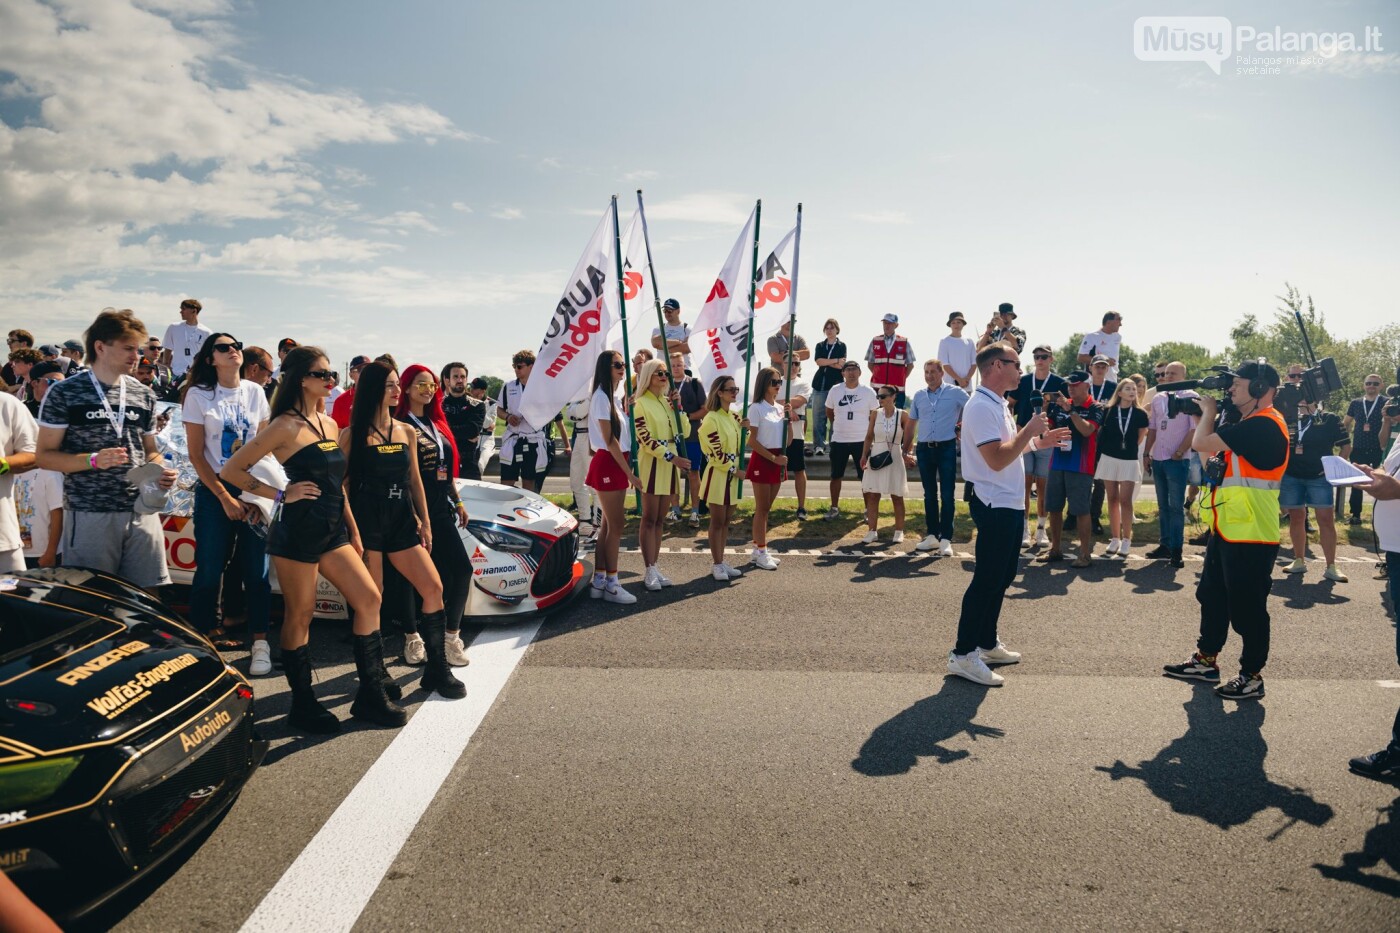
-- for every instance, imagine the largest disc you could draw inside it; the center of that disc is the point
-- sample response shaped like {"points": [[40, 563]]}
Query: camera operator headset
{"points": [[1248, 459]]}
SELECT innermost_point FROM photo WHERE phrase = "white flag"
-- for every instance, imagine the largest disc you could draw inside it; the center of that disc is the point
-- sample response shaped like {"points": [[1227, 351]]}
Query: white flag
{"points": [[721, 330], [773, 291], [636, 289], [578, 331]]}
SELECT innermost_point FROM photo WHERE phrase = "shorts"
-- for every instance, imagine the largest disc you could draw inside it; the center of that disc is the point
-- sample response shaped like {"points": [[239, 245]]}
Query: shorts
{"points": [[308, 528], [841, 451], [1114, 470], [1076, 489], [604, 475], [797, 456], [658, 477], [129, 545], [526, 453], [695, 455], [386, 525], [1037, 462], [1298, 492], [763, 470]]}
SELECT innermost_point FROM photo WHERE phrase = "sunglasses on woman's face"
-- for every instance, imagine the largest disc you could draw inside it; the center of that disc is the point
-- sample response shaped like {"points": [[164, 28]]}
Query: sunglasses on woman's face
{"points": [[319, 374], [227, 347], [427, 386], [730, 389], [619, 365]]}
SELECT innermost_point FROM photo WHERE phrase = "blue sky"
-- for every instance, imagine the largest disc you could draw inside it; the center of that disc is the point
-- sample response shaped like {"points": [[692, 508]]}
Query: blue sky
{"points": [[421, 177]]}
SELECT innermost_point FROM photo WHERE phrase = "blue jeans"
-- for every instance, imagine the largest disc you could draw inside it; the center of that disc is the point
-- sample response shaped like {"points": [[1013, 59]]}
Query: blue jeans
{"points": [[1169, 479], [938, 472], [820, 425], [214, 534]]}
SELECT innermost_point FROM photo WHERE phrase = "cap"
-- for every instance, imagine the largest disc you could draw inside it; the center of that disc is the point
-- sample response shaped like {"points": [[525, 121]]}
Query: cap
{"points": [[1044, 348], [1099, 359], [358, 361], [75, 345], [1005, 308], [49, 349], [890, 318], [46, 368], [1253, 370], [480, 383], [850, 364], [145, 364], [671, 304], [956, 316], [1075, 378], [150, 497]]}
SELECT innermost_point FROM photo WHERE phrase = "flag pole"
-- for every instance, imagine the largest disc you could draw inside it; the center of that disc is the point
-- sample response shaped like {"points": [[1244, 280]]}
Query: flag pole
{"points": [[660, 317], [622, 311], [748, 354], [792, 330]]}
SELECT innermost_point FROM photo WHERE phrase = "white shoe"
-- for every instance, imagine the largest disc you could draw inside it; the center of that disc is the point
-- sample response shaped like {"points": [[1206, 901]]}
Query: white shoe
{"points": [[898, 537], [596, 589], [999, 654], [1298, 566], [1112, 547], [733, 573], [946, 550], [1124, 546], [929, 543], [456, 651], [871, 537], [260, 664], [414, 651], [833, 513], [972, 667], [764, 561], [665, 580], [1331, 573], [1026, 537], [719, 574], [1041, 538], [652, 579], [616, 594]]}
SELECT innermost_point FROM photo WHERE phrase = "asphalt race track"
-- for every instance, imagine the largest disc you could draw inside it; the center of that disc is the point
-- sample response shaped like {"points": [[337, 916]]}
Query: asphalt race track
{"points": [[786, 752]]}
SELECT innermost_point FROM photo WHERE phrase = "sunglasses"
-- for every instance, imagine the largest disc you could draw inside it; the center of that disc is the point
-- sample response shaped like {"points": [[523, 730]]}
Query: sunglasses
{"points": [[427, 386], [730, 389], [659, 374], [227, 347], [1295, 376], [885, 395], [521, 365], [1041, 356], [1376, 384], [619, 365], [319, 374]]}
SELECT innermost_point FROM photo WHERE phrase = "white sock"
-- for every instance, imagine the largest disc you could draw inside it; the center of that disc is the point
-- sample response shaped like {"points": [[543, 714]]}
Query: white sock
{"points": [[612, 580], [600, 579]]}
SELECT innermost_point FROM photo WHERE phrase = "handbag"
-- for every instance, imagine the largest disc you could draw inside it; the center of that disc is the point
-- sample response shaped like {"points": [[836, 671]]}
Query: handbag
{"points": [[885, 457]]}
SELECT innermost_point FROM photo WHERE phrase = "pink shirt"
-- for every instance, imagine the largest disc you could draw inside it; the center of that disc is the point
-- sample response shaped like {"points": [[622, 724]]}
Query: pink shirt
{"points": [[1171, 432]]}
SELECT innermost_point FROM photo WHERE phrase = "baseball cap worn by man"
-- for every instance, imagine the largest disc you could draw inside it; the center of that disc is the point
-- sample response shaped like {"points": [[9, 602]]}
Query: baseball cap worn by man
{"points": [[1099, 360], [1077, 377], [49, 349], [75, 345], [358, 361], [671, 304], [890, 318], [851, 364], [480, 383], [46, 368], [1255, 370]]}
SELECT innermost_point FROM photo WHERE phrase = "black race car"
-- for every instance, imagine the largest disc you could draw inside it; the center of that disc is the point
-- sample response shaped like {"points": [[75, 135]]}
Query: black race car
{"points": [[122, 735]]}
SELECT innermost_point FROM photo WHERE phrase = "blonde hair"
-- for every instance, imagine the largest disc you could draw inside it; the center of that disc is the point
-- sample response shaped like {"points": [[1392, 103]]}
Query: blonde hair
{"points": [[646, 376], [1118, 392]]}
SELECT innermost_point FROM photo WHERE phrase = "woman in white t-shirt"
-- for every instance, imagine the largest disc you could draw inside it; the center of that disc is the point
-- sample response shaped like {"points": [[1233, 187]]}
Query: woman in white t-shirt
{"points": [[767, 423], [221, 413], [609, 474]]}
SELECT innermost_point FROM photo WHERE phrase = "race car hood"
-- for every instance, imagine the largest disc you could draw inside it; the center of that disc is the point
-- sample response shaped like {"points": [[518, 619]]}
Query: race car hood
{"points": [[515, 508], [82, 654]]}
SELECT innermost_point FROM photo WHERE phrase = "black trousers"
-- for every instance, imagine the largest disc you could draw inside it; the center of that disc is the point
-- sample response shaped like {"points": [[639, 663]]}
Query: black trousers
{"points": [[1234, 592], [998, 552]]}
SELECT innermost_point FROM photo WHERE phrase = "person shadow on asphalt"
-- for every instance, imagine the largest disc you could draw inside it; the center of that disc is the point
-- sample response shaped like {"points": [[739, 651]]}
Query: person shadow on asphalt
{"points": [[1216, 770], [897, 744], [1382, 844]]}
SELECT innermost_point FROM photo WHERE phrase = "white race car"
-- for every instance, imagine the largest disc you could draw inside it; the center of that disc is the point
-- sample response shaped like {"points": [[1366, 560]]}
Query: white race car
{"points": [[524, 549]]}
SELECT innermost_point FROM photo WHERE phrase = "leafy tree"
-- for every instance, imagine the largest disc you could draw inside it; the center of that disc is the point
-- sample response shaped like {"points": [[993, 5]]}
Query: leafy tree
{"points": [[1067, 358], [1196, 358]]}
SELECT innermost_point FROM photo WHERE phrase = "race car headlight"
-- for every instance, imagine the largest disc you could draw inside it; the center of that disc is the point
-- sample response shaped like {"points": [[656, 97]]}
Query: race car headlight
{"points": [[30, 782], [501, 539]]}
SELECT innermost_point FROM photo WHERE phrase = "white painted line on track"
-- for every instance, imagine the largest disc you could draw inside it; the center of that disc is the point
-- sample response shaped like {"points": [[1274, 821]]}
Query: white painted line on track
{"points": [[335, 876], [1389, 683]]}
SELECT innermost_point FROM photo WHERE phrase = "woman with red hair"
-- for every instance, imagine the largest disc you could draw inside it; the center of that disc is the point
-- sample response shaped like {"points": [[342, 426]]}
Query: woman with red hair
{"points": [[420, 407]]}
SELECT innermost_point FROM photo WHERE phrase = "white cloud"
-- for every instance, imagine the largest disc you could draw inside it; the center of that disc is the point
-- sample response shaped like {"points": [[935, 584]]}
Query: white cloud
{"points": [[886, 217], [1353, 64], [704, 208], [508, 213], [403, 221], [641, 174], [283, 254], [462, 206]]}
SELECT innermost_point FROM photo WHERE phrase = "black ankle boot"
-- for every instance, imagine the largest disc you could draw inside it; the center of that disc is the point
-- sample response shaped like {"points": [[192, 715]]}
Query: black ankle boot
{"points": [[437, 675], [372, 703], [307, 713], [1176, 560]]}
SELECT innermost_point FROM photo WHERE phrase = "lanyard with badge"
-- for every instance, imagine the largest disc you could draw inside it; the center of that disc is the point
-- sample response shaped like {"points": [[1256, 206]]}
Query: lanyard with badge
{"points": [[1123, 423], [1367, 412], [432, 432], [116, 419]]}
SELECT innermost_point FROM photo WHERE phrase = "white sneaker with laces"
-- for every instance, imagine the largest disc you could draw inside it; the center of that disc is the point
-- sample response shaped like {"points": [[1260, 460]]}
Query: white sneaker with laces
{"points": [[1041, 538], [652, 579], [946, 550], [733, 572], [999, 654], [616, 594], [930, 543], [1124, 546], [1298, 566], [1026, 537], [972, 667], [260, 663], [871, 537], [665, 580], [718, 573], [1333, 574], [763, 560], [898, 537], [456, 651], [1112, 547], [414, 651]]}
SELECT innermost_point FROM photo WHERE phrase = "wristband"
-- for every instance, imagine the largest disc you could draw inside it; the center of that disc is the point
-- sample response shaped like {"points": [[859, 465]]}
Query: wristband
{"points": [[668, 456], [281, 494], [92, 461], [4, 466]]}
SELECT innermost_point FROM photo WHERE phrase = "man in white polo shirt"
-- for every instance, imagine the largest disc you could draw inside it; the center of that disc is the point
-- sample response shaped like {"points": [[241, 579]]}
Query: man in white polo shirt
{"points": [[991, 457], [1384, 765], [1106, 341]]}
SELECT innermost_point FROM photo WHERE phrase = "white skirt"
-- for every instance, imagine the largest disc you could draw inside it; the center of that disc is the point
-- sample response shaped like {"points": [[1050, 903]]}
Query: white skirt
{"points": [[1118, 471], [893, 480]]}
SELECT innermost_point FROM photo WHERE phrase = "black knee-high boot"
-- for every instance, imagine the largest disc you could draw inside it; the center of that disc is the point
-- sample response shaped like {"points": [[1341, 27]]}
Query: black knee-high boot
{"points": [[372, 702], [437, 675], [307, 712]]}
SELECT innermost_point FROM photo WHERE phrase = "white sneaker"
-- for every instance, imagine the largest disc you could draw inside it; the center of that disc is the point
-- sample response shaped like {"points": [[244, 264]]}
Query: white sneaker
{"points": [[1112, 547], [929, 543], [652, 579], [1041, 538], [1124, 546], [616, 594], [719, 574], [1026, 537], [414, 651], [946, 550], [260, 664], [1000, 654], [833, 513], [733, 573], [971, 667], [1331, 573], [764, 561], [898, 537], [596, 589], [871, 537], [1298, 566], [456, 650], [665, 580]]}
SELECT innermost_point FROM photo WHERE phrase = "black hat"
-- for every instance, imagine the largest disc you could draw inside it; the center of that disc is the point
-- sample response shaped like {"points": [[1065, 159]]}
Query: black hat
{"points": [[480, 383], [671, 304], [1005, 308], [74, 345], [1261, 371], [357, 361], [1077, 377], [956, 316], [46, 368]]}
